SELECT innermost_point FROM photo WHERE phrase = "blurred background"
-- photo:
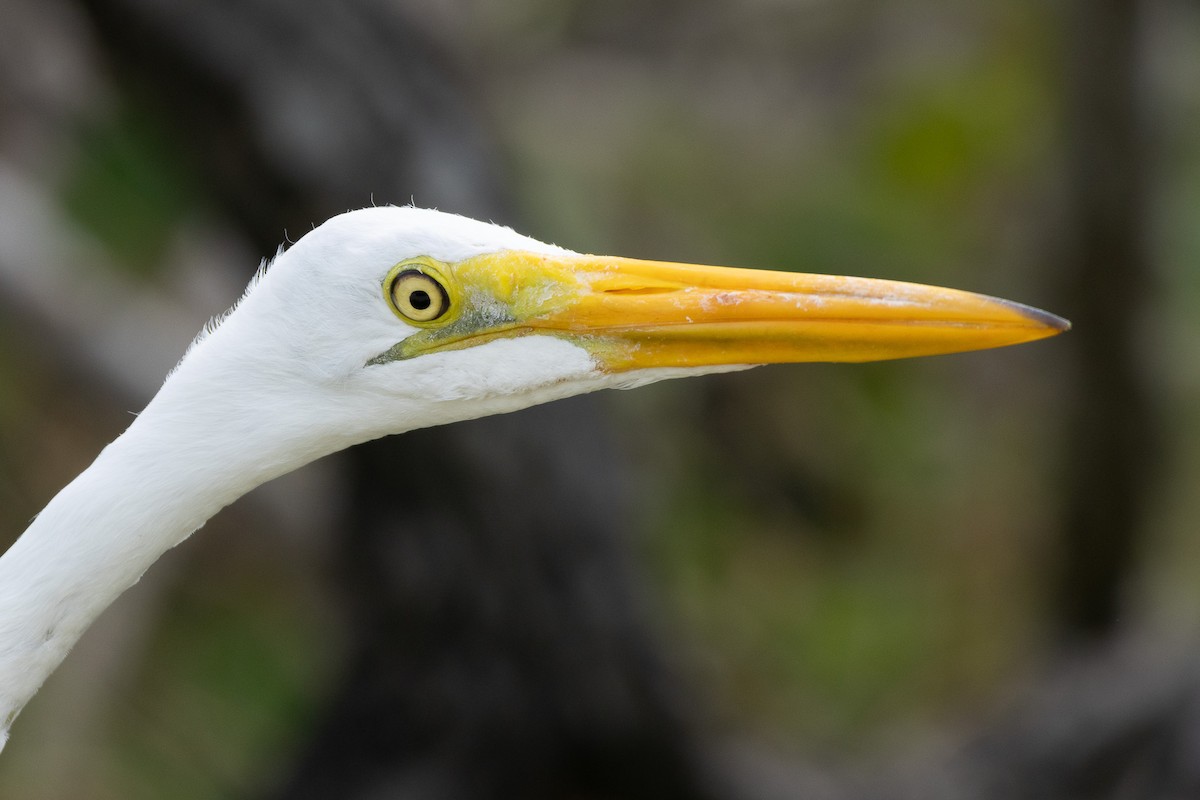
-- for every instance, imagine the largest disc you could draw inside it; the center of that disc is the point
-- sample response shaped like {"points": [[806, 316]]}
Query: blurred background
{"points": [[967, 576]]}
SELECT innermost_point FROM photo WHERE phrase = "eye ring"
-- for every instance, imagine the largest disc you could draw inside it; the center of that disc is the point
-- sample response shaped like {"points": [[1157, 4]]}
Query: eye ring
{"points": [[418, 296]]}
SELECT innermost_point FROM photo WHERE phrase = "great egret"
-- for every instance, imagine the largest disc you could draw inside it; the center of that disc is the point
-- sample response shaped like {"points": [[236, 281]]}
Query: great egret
{"points": [[388, 319]]}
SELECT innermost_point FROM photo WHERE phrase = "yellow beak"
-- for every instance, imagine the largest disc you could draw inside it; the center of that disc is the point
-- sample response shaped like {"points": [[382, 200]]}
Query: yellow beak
{"points": [[633, 314]]}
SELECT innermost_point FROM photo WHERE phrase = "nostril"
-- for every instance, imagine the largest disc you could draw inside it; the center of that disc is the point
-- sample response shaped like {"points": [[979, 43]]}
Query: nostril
{"points": [[640, 290]]}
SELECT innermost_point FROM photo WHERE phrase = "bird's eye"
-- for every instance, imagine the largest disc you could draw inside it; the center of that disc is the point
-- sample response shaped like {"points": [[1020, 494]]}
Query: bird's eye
{"points": [[418, 297]]}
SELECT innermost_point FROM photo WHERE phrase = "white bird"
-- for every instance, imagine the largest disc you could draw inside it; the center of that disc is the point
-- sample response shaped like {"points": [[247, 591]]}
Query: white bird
{"points": [[388, 319]]}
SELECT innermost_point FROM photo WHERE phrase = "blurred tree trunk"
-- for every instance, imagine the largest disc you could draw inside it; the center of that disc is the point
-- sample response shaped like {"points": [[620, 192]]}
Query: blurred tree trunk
{"points": [[498, 645], [1114, 436]]}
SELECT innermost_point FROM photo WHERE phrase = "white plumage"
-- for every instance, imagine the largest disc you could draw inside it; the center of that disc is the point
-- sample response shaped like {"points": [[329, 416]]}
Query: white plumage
{"points": [[317, 356]]}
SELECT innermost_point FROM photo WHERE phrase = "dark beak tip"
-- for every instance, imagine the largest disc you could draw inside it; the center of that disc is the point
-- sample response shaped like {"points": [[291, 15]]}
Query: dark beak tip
{"points": [[1043, 318]]}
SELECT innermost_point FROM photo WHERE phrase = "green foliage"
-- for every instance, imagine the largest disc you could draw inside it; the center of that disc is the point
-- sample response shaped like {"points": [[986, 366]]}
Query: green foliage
{"points": [[130, 187], [235, 674], [907, 146]]}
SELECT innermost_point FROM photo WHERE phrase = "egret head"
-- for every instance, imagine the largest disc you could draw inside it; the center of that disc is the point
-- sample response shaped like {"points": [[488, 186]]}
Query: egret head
{"points": [[390, 310], [388, 319]]}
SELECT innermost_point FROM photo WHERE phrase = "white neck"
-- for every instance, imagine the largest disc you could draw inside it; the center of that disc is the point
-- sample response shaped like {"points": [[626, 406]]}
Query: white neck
{"points": [[199, 445]]}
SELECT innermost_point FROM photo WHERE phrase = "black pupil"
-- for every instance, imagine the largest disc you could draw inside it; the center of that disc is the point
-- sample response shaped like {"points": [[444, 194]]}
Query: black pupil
{"points": [[420, 300]]}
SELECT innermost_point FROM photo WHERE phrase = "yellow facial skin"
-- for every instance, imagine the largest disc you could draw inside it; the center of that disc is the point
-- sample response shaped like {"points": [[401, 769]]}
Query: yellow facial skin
{"points": [[630, 314]]}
